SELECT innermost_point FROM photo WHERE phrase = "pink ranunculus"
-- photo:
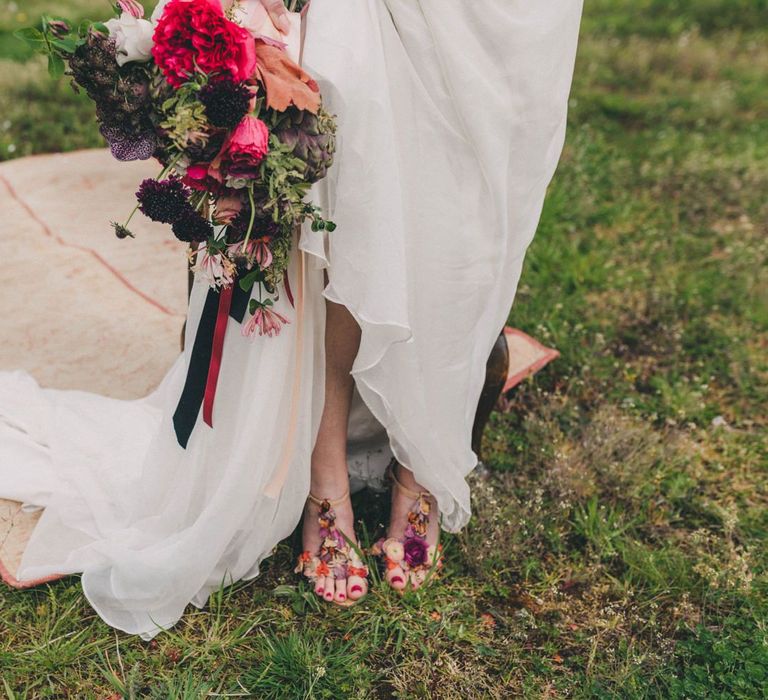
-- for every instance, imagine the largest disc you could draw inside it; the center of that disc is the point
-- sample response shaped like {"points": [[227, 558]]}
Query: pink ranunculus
{"points": [[243, 151], [195, 36], [131, 7], [265, 321]]}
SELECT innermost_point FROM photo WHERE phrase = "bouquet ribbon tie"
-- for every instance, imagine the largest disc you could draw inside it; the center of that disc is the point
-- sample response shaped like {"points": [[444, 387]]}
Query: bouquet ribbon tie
{"points": [[205, 359]]}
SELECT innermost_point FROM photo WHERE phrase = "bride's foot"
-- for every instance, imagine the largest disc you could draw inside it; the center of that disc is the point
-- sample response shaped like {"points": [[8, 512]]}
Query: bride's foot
{"points": [[411, 551], [331, 563]]}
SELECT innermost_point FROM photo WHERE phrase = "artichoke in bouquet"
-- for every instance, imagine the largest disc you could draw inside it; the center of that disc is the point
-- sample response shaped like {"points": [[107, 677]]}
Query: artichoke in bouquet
{"points": [[311, 137]]}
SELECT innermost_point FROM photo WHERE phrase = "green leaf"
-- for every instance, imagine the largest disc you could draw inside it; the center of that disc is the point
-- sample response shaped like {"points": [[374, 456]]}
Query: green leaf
{"points": [[330, 226], [100, 27], [31, 37], [65, 45], [249, 280], [55, 66]]}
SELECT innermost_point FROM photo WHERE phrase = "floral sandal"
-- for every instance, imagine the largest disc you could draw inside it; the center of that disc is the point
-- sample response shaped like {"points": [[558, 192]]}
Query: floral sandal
{"points": [[411, 557], [338, 557]]}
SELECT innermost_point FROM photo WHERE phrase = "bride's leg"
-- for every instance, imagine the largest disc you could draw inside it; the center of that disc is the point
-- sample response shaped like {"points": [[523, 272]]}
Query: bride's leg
{"points": [[329, 477]]}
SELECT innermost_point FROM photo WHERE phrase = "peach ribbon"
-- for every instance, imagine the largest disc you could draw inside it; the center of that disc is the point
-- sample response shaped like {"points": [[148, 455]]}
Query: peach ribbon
{"points": [[275, 485]]}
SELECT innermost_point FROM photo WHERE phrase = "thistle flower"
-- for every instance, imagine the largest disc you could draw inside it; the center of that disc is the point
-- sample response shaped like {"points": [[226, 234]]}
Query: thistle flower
{"points": [[164, 201], [226, 103]]}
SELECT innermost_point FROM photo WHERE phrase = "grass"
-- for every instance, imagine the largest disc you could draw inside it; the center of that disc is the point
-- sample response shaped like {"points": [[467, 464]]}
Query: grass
{"points": [[618, 547]]}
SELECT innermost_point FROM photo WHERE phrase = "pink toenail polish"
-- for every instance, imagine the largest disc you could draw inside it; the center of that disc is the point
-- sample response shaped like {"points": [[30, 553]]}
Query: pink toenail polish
{"points": [[396, 579], [355, 589], [341, 596]]}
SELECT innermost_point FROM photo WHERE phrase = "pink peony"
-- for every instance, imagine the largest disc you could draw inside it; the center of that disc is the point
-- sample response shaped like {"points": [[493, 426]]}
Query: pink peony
{"points": [[243, 151], [194, 35]]}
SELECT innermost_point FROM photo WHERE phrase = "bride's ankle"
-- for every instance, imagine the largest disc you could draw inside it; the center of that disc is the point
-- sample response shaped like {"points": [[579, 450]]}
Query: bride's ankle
{"points": [[406, 478]]}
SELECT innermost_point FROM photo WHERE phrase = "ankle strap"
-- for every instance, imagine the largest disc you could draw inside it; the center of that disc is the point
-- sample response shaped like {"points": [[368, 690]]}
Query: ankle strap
{"points": [[408, 492], [332, 502]]}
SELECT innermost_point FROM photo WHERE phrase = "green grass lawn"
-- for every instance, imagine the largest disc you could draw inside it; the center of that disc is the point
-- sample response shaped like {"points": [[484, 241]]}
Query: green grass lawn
{"points": [[618, 547]]}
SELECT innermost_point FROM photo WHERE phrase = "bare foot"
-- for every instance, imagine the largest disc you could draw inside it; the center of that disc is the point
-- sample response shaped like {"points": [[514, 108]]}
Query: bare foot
{"points": [[412, 519], [336, 583]]}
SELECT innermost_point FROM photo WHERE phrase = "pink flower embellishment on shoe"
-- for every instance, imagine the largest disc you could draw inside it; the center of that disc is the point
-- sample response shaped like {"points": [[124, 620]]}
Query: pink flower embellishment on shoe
{"points": [[415, 549]]}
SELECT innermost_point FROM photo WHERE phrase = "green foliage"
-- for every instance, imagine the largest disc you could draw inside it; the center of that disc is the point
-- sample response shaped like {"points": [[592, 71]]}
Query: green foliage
{"points": [[302, 665], [728, 663]]}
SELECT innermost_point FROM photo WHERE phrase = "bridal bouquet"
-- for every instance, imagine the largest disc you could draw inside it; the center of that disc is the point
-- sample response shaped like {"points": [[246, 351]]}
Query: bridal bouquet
{"points": [[209, 89], [213, 91]]}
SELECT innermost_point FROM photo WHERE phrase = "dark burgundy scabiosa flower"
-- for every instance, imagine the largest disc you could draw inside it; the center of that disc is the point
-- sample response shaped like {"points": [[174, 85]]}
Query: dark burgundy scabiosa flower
{"points": [[226, 103], [415, 550], [164, 201], [192, 228]]}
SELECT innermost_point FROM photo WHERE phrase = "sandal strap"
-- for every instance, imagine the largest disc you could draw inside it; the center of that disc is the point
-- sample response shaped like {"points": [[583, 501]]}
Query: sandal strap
{"points": [[408, 492], [332, 502]]}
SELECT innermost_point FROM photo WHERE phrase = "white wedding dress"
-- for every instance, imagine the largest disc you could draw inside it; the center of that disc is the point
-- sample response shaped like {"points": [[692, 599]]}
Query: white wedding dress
{"points": [[451, 122]]}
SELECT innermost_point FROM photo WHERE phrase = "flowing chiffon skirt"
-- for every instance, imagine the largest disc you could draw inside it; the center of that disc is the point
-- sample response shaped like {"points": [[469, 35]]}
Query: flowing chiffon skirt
{"points": [[451, 122]]}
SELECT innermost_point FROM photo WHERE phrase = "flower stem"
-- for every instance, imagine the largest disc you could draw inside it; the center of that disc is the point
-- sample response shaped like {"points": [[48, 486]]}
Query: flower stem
{"points": [[253, 218]]}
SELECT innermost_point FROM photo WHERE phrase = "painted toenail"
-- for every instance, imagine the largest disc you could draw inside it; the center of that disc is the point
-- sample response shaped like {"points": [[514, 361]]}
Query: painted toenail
{"points": [[341, 596], [396, 579], [355, 589]]}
